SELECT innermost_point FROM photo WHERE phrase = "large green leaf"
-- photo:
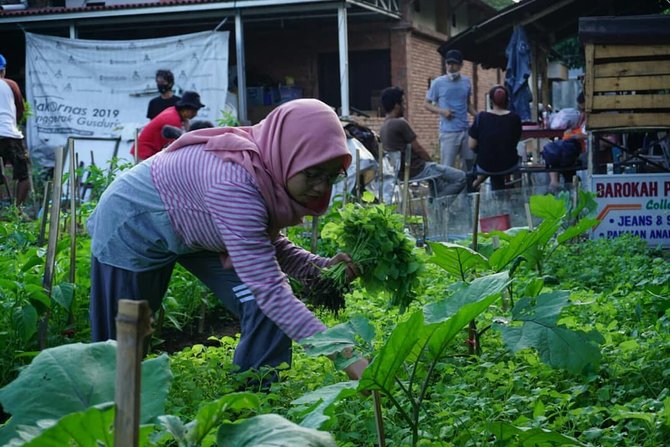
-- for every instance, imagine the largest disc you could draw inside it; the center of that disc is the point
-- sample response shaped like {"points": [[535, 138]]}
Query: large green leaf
{"points": [[529, 437], [544, 309], [63, 294], [557, 346], [514, 248], [24, 320], [580, 227], [321, 403], [93, 427], [479, 289], [74, 377], [547, 207], [210, 415], [382, 371], [440, 335], [336, 338], [271, 430], [456, 259]]}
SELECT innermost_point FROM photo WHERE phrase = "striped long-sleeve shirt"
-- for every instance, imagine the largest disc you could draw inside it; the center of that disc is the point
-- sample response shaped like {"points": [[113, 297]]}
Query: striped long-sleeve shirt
{"points": [[188, 201], [216, 206]]}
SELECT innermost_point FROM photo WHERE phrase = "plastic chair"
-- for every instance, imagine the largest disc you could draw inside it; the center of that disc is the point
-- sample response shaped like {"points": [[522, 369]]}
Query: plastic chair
{"points": [[412, 183], [477, 172]]}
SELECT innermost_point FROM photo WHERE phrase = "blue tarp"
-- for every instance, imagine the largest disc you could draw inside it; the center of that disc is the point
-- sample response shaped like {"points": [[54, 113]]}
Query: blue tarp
{"points": [[518, 72]]}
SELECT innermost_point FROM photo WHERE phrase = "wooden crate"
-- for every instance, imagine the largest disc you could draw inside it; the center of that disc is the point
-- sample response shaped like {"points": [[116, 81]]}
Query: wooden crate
{"points": [[627, 86]]}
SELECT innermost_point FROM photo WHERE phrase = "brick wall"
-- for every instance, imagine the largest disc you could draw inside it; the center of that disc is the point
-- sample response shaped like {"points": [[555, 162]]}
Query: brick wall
{"points": [[425, 64], [414, 61]]}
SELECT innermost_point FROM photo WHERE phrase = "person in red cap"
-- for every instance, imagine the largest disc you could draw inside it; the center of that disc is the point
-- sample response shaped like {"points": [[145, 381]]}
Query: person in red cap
{"points": [[12, 147], [151, 140]]}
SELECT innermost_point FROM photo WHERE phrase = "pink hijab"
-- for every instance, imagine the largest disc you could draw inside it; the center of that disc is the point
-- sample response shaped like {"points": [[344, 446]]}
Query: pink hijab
{"points": [[293, 137]]}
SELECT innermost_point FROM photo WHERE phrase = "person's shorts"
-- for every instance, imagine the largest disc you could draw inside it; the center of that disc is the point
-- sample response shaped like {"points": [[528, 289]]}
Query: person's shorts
{"points": [[14, 152]]}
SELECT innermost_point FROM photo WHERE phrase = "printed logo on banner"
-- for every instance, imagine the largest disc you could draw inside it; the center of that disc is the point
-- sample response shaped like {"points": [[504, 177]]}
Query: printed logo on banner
{"points": [[635, 204], [122, 62]]}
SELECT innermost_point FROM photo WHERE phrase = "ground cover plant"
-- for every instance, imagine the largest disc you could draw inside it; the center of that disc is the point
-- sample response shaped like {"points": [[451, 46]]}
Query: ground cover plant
{"points": [[515, 391]]}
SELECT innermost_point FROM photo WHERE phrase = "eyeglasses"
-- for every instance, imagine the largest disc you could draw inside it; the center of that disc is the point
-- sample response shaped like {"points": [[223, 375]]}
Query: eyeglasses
{"points": [[315, 178]]}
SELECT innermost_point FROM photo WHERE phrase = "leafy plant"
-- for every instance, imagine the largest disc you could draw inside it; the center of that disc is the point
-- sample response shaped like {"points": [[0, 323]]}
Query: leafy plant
{"points": [[60, 386], [227, 119], [374, 238]]}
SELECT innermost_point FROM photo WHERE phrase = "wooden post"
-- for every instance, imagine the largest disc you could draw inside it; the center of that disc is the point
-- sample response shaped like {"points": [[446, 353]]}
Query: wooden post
{"points": [[54, 223], [135, 155], [5, 180], [358, 175], [45, 212], [315, 233], [73, 209], [379, 420], [380, 172], [405, 182], [475, 223], [473, 337], [133, 324], [529, 217]]}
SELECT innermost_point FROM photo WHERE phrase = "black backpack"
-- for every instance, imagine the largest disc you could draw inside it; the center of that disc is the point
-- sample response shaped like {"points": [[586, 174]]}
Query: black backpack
{"points": [[365, 136]]}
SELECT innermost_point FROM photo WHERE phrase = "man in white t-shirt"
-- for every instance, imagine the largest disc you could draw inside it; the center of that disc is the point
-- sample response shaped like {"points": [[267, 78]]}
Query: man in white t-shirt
{"points": [[12, 147]]}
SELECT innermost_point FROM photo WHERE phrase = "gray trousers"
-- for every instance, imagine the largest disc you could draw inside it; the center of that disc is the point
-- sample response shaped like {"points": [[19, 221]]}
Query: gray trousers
{"points": [[456, 143], [261, 343], [451, 181]]}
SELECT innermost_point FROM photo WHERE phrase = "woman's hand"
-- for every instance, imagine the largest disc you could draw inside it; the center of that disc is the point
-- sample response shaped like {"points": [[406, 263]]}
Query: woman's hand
{"points": [[355, 370], [351, 269]]}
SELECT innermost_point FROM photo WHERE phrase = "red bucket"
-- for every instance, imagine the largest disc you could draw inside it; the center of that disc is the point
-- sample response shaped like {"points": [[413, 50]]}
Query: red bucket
{"points": [[501, 222]]}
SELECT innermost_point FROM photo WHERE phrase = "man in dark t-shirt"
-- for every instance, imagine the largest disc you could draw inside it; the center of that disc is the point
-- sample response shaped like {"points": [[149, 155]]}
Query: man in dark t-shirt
{"points": [[396, 134], [167, 98]]}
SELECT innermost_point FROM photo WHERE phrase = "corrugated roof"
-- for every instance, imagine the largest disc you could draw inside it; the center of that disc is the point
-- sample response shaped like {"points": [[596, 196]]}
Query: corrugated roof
{"points": [[100, 8], [545, 22]]}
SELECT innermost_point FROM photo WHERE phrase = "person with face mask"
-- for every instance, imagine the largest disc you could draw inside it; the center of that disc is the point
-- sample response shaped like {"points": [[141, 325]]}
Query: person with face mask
{"points": [[449, 96], [167, 98]]}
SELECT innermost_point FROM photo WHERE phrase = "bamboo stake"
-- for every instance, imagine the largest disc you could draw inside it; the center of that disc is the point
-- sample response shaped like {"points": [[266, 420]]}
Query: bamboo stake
{"points": [[73, 210], [379, 421], [132, 327], [380, 171], [5, 180], [54, 223], [529, 217], [315, 233], [45, 212], [405, 182], [358, 175], [473, 339]]}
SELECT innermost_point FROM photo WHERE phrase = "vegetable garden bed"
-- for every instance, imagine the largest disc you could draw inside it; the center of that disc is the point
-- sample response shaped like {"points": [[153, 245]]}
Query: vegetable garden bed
{"points": [[573, 339]]}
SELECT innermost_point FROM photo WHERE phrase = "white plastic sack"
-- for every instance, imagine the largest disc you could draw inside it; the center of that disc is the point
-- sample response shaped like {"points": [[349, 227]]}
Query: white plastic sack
{"points": [[567, 118]]}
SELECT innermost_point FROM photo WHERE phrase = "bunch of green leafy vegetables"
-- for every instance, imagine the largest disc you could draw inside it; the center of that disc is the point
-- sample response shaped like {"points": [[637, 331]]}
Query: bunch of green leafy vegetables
{"points": [[374, 237]]}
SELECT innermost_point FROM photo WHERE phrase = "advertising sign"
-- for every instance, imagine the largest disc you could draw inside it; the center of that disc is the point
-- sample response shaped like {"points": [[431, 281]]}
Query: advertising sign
{"points": [[96, 88], [633, 203]]}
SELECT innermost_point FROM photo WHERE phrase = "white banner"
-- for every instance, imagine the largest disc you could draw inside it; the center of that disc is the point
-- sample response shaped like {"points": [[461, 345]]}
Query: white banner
{"points": [[633, 203], [95, 88]]}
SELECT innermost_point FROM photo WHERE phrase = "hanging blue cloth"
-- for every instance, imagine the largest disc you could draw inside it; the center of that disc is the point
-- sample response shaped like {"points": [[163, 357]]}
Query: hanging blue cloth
{"points": [[517, 73]]}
